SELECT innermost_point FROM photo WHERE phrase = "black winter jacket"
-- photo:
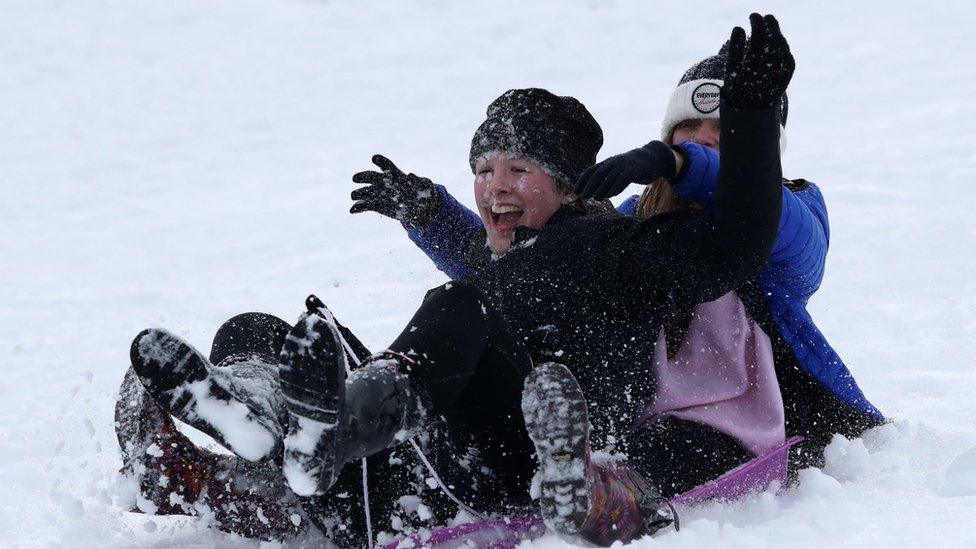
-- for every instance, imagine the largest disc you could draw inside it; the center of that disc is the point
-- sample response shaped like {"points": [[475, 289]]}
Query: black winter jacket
{"points": [[594, 289]]}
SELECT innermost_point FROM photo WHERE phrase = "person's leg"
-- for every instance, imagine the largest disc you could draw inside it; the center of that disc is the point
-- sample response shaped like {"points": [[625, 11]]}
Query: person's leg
{"points": [[234, 396], [473, 369], [402, 497], [239, 413], [600, 501], [396, 494], [403, 500], [677, 455], [456, 359], [177, 477], [249, 334], [450, 335]]}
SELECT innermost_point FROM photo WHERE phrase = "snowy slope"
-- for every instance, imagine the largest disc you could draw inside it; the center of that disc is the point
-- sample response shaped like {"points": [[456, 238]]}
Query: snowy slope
{"points": [[174, 163]]}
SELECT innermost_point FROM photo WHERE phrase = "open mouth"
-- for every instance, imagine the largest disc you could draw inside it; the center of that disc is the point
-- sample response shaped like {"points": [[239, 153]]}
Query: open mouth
{"points": [[506, 216]]}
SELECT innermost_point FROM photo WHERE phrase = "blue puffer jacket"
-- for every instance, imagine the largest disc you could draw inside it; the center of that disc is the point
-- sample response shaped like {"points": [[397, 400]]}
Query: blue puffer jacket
{"points": [[793, 274]]}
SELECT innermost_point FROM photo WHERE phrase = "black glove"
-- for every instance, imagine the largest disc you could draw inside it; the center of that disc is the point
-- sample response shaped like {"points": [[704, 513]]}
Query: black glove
{"points": [[404, 197], [759, 69], [610, 177]]}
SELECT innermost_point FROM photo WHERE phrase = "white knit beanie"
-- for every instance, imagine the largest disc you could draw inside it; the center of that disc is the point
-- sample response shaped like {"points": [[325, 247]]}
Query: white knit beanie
{"points": [[698, 93]]}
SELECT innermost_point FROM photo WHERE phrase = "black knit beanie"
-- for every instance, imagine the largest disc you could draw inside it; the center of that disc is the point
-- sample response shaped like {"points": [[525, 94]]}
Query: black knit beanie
{"points": [[556, 132], [697, 94]]}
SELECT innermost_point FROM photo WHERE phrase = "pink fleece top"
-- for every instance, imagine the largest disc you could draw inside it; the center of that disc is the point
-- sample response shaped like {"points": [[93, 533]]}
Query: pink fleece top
{"points": [[722, 376]]}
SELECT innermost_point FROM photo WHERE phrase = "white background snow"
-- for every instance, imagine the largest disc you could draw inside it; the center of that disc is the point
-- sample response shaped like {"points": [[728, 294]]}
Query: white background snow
{"points": [[174, 163]]}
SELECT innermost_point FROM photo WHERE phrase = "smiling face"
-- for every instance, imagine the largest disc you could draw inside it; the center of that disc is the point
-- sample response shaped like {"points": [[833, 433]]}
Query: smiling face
{"points": [[513, 192]]}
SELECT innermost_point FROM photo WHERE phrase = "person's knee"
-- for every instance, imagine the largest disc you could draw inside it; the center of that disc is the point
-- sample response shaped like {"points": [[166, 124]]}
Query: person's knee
{"points": [[252, 332], [456, 294]]}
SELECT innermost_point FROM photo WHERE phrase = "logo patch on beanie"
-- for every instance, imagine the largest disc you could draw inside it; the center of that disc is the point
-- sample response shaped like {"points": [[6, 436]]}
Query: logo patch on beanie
{"points": [[705, 98]]}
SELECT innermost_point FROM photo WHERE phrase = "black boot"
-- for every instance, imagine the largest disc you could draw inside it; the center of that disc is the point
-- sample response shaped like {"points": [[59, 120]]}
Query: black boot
{"points": [[249, 334], [601, 502], [238, 405], [334, 420]]}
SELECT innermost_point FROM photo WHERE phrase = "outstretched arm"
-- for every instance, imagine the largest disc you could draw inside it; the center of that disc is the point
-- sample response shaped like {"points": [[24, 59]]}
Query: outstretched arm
{"points": [[446, 237], [440, 225], [731, 242]]}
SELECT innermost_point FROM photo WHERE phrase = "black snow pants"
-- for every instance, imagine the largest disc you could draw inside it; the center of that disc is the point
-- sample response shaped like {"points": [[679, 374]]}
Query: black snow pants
{"points": [[471, 371], [473, 368]]}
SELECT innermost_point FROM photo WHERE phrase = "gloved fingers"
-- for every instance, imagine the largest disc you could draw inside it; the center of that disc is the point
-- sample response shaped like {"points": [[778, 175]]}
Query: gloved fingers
{"points": [[370, 177], [385, 164], [613, 183], [786, 64], [623, 180], [584, 180], [737, 46], [374, 192], [599, 193], [773, 52], [777, 41], [378, 206], [757, 38], [596, 180], [772, 28]]}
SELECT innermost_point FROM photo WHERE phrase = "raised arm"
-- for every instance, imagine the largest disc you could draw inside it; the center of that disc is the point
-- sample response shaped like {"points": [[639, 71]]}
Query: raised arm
{"points": [[446, 238], [434, 220], [796, 261], [732, 241], [749, 195]]}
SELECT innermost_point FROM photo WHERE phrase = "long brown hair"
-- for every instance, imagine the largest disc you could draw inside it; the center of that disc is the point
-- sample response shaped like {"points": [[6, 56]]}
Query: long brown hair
{"points": [[659, 198]]}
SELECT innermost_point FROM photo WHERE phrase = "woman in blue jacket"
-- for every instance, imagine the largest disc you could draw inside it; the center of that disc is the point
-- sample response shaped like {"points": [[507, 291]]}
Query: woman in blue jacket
{"points": [[816, 386]]}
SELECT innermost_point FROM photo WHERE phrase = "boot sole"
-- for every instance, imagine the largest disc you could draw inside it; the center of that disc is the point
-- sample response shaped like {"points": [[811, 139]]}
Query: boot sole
{"points": [[181, 381], [557, 422], [312, 369]]}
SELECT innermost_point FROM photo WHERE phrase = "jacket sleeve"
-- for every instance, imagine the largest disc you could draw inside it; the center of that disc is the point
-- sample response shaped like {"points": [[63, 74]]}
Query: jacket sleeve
{"points": [[700, 257], [629, 206], [445, 239], [697, 181], [797, 259], [699, 178]]}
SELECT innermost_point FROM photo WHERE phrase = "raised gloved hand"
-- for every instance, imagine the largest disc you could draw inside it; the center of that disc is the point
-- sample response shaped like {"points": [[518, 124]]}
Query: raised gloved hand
{"points": [[642, 165], [759, 69], [390, 192]]}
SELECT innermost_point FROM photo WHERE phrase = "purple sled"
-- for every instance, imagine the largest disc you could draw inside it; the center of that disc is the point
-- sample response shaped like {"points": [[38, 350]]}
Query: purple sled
{"points": [[507, 532]]}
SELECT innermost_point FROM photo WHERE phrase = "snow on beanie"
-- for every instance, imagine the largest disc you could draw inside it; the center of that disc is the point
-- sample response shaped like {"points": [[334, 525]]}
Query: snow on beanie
{"points": [[698, 92], [554, 131]]}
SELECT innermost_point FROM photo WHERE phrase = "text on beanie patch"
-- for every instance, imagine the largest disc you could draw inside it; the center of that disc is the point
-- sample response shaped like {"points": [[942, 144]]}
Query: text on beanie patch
{"points": [[705, 98]]}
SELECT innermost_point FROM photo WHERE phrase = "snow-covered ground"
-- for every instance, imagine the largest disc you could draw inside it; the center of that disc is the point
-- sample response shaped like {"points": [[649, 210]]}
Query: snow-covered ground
{"points": [[174, 163]]}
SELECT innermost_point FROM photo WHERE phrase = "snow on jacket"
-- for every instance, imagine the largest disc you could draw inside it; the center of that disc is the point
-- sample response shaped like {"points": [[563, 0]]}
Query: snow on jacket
{"points": [[601, 284], [793, 274], [823, 401]]}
